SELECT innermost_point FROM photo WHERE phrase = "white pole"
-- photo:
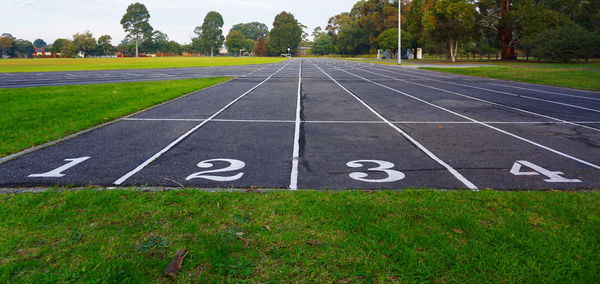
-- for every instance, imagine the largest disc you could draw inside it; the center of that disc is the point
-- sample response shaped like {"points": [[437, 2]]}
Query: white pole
{"points": [[399, 32]]}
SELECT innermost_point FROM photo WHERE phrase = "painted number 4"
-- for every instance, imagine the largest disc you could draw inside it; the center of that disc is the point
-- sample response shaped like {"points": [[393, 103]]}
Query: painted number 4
{"points": [[537, 170], [234, 165]]}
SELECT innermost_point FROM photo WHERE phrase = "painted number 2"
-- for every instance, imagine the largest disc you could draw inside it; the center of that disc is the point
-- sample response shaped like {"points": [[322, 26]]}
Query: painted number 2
{"points": [[383, 166], [537, 170], [234, 165]]}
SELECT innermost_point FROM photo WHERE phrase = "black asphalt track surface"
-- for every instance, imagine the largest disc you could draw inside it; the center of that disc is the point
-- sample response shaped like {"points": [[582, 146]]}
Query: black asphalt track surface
{"points": [[354, 125]]}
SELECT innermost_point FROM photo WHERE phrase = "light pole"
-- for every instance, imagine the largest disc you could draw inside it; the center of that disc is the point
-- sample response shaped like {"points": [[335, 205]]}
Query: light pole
{"points": [[289, 55], [399, 31]]}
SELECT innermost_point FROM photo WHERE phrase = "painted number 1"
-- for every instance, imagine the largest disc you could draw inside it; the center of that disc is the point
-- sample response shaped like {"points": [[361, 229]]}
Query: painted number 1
{"points": [[58, 171], [383, 166], [537, 170]]}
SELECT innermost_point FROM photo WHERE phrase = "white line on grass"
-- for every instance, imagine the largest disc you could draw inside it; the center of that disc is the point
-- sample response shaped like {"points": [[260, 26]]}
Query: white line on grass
{"points": [[479, 122], [454, 172], [182, 137], [477, 99], [296, 150]]}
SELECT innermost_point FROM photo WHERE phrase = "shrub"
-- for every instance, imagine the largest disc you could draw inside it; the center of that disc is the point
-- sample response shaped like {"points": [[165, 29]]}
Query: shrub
{"points": [[565, 44]]}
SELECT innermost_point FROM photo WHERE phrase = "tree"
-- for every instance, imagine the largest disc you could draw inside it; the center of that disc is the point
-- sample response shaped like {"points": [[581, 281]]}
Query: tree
{"points": [[135, 23], [173, 47], [6, 42], [23, 48], [260, 47], [210, 33], [565, 44], [39, 43], [58, 44], [105, 43], [253, 31], [69, 50], [286, 33], [235, 41], [323, 44], [389, 40], [449, 23], [84, 42]]}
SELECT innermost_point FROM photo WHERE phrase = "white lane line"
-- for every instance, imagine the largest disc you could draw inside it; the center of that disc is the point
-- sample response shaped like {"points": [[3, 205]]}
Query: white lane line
{"points": [[510, 94], [357, 121], [478, 99], [170, 146], [481, 123], [454, 172], [296, 149], [547, 92]]}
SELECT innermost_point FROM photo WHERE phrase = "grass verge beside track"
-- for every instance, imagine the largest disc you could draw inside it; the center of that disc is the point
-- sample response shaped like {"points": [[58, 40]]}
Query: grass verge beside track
{"points": [[78, 64], [580, 76], [33, 116], [408, 236]]}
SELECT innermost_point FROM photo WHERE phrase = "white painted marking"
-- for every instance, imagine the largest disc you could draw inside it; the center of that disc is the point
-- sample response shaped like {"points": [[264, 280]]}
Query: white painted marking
{"points": [[58, 171], [358, 121], [383, 166], [481, 123], [513, 95], [296, 149], [454, 172], [547, 92], [234, 165], [478, 99], [174, 143], [553, 177]]}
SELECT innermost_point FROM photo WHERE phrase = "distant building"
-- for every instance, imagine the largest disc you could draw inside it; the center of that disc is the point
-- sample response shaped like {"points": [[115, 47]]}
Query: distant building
{"points": [[41, 52]]}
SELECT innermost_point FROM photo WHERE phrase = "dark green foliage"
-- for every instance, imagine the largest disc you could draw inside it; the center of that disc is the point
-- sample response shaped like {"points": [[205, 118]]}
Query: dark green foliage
{"points": [[323, 44], [565, 44], [286, 33], [253, 31], [39, 43], [210, 34]]}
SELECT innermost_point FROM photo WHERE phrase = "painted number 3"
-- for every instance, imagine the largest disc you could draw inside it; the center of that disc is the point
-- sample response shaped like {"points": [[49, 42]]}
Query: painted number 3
{"points": [[234, 165], [383, 166]]}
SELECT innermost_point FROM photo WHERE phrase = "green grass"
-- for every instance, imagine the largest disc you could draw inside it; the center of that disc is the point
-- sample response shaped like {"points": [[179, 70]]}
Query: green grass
{"points": [[373, 237], [74, 64], [580, 76], [33, 116]]}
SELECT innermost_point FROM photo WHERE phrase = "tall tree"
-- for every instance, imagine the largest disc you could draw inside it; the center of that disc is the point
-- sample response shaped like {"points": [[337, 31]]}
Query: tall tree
{"points": [[39, 43], [6, 42], [253, 31], [237, 42], [260, 47], [286, 33], [58, 44], [84, 42], [210, 34], [105, 43], [389, 40], [136, 23], [450, 22], [323, 44]]}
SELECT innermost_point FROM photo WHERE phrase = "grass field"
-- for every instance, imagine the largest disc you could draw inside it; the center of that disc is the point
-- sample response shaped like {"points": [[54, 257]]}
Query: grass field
{"points": [[581, 76], [74, 64], [339, 237], [33, 116]]}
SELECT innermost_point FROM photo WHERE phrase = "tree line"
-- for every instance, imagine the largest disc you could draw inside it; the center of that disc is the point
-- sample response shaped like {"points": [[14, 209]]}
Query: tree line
{"points": [[243, 38], [559, 30]]}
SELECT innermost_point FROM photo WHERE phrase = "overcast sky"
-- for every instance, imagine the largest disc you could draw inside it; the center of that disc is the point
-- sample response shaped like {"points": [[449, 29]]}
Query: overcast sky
{"points": [[52, 19]]}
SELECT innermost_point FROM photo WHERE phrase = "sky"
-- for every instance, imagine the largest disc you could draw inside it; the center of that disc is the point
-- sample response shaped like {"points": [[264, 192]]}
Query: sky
{"points": [[49, 20]]}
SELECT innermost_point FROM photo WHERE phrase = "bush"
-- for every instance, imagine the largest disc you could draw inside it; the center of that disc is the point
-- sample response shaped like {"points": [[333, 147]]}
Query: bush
{"points": [[565, 44]]}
